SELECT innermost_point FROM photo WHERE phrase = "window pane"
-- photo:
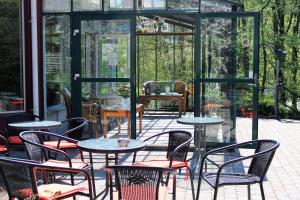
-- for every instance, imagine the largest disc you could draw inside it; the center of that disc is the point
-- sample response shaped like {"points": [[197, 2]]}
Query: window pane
{"points": [[215, 6], [118, 4], [151, 4], [105, 48], [57, 56], [11, 58], [57, 5], [183, 4], [82, 5]]}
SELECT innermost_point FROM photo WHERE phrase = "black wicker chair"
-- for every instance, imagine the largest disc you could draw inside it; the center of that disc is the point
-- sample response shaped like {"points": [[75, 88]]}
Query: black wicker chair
{"points": [[176, 158], [138, 183], [20, 181], [4, 145], [11, 134], [36, 151], [260, 162], [71, 128]]}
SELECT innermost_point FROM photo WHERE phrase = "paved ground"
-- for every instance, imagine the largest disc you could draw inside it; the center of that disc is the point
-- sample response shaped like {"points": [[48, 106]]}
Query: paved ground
{"points": [[283, 178]]}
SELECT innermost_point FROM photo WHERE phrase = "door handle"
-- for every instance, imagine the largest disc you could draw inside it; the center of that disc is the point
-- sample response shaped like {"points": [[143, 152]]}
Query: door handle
{"points": [[76, 76]]}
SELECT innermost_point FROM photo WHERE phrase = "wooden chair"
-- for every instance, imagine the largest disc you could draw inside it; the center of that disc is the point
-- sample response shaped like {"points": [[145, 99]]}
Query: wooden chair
{"points": [[89, 111]]}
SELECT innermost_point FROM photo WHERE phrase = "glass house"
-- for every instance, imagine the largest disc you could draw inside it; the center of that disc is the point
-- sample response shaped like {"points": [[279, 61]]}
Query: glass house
{"points": [[105, 51]]}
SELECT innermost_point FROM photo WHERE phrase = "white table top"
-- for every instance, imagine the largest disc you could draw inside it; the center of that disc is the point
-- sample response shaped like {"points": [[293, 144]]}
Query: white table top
{"points": [[34, 124], [200, 120]]}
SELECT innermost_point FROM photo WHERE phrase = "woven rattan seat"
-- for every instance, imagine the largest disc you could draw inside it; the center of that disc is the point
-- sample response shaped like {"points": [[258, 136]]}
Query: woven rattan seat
{"points": [[260, 161], [229, 179]]}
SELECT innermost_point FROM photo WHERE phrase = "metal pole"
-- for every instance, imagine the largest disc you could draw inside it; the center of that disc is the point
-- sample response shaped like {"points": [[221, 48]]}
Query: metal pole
{"points": [[276, 108]]}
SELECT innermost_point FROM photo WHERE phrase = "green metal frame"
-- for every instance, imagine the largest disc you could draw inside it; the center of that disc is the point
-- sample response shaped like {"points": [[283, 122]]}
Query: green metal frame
{"points": [[76, 17]]}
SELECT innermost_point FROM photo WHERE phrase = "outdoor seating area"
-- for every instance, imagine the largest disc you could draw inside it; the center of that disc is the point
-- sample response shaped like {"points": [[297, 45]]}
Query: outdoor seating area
{"points": [[149, 100], [98, 162]]}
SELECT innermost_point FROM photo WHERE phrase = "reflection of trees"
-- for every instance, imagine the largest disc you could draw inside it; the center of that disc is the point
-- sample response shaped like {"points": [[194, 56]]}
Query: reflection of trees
{"points": [[11, 77], [57, 43]]}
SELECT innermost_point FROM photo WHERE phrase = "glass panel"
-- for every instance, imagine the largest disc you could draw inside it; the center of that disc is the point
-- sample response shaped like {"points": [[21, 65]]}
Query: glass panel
{"points": [[216, 54], [118, 4], [151, 4], [112, 102], [57, 56], [227, 101], [244, 45], [105, 48], [164, 59], [215, 6], [11, 57], [57, 5], [86, 5], [227, 47], [183, 4]]}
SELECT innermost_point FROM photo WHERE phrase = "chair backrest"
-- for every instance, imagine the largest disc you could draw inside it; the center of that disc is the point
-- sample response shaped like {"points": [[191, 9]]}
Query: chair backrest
{"points": [[177, 138], [138, 183], [33, 145], [16, 117], [68, 102], [260, 164], [153, 86], [72, 128], [18, 177]]}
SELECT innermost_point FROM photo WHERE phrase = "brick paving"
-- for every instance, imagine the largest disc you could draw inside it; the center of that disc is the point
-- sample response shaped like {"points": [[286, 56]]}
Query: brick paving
{"points": [[283, 178]]}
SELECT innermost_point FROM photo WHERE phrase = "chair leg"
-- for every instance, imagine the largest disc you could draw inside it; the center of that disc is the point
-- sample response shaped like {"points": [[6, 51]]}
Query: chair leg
{"points": [[262, 191], [249, 192], [216, 193], [198, 188], [192, 182]]}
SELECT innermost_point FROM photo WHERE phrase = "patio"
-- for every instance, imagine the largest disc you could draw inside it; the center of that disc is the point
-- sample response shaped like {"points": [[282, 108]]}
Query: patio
{"points": [[282, 178]]}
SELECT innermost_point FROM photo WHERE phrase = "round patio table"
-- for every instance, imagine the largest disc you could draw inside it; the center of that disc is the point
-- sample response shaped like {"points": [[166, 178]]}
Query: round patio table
{"points": [[200, 124], [34, 125], [107, 146]]}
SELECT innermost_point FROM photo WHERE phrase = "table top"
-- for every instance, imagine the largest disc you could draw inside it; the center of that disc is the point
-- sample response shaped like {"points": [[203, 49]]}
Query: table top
{"points": [[200, 120], [34, 124], [163, 94], [120, 108], [109, 145]]}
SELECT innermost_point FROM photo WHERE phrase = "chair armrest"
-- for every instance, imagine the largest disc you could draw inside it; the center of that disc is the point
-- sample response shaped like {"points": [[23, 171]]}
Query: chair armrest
{"points": [[231, 147], [3, 139], [153, 136], [156, 135], [67, 157], [62, 137]]}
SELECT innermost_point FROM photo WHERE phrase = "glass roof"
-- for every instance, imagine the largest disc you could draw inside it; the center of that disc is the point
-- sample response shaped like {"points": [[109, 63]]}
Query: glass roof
{"points": [[140, 5]]}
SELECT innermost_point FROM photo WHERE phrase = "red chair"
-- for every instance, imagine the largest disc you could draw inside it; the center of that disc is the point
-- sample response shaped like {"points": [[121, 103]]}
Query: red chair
{"points": [[20, 180], [3, 145], [138, 183], [178, 146], [11, 134], [71, 128], [38, 152]]}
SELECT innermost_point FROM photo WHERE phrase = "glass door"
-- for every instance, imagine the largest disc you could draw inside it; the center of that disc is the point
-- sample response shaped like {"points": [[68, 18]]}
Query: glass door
{"points": [[103, 72]]}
